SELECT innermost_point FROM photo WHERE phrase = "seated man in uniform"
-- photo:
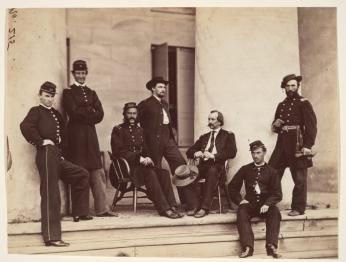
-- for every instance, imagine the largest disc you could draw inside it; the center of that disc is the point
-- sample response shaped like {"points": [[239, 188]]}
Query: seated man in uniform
{"points": [[127, 141], [263, 192], [43, 128], [212, 150]]}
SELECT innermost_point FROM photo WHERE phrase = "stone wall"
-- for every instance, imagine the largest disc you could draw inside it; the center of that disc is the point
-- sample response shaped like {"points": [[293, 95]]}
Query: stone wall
{"points": [[37, 55], [241, 56], [116, 43]]}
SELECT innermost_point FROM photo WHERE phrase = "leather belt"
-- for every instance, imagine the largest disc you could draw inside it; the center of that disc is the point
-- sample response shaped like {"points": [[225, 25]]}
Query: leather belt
{"points": [[288, 128]]}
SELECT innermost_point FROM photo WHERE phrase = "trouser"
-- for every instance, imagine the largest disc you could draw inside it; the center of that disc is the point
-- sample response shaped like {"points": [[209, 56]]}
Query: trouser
{"points": [[299, 194], [246, 212], [211, 173], [97, 181], [169, 150], [51, 167], [159, 188]]}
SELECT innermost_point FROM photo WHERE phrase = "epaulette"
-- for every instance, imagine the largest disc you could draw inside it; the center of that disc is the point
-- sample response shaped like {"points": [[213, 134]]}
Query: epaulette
{"points": [[303, 99]]}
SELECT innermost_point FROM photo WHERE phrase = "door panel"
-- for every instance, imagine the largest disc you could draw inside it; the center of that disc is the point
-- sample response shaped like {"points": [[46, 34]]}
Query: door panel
{"points": [[161, 64], [185, 95]]}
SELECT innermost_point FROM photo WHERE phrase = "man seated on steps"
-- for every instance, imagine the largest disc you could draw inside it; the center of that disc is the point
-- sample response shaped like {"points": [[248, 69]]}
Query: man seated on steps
{"points": [[263, 192]]}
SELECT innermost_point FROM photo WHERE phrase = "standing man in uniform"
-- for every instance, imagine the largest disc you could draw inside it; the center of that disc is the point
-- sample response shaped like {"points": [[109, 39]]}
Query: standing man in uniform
{"points": [[296, 125], [84, 110], [43, 127], [155, 119], [128, 142], [263, 192], [212, 150]]}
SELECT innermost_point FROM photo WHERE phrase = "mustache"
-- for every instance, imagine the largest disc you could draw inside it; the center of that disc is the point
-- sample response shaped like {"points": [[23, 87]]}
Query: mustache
{"points": [[210, 125]]}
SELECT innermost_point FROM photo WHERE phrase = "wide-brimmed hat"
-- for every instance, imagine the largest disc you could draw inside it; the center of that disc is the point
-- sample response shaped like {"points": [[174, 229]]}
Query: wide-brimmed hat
{"points": [[290, 77], [48, 87], [155, 80], [185, 175]]}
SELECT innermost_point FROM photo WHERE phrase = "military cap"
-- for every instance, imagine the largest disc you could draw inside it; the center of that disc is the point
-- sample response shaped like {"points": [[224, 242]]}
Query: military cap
{"points": [[129, 105], [48, 87], [290, 77], [155, 80], [257, 144], [79, 65]]}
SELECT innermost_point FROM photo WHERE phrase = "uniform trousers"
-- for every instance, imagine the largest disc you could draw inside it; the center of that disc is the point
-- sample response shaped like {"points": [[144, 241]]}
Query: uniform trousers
{"points": [[52, 167], [299, 194], [211, 172], [97, 181], [159, 188], [169, 150], [246, 212]]}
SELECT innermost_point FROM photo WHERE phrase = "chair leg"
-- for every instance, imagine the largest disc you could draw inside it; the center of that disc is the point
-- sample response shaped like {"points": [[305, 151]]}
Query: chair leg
{"points": [[134, 199], [219, 196], [115, 199]]}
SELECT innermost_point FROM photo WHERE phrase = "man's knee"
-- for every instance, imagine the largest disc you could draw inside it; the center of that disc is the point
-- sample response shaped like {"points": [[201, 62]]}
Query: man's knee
{"points": [[242, 212], [274, 211]]}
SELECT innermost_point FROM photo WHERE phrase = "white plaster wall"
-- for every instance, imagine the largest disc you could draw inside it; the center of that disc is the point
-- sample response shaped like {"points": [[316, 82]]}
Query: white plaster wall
{"points": [[116, 43], [37, 55], [241, 56]]}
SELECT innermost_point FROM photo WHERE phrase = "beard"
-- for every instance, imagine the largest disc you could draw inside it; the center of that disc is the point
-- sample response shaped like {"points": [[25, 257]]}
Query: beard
{"points": [[291, 93], [128, 121]]}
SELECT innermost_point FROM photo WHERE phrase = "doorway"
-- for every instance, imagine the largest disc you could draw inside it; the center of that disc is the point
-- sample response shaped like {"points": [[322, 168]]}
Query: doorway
{"points": [[177, 65]]}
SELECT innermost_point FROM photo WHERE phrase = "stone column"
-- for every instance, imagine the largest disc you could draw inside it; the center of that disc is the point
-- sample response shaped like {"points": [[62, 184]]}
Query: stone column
{"points": [[37, 54], [241, 56], [318, 55]]}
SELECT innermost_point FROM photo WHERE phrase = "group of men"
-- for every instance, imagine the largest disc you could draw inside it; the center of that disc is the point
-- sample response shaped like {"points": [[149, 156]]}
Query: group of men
{"points": [[145, 137]]}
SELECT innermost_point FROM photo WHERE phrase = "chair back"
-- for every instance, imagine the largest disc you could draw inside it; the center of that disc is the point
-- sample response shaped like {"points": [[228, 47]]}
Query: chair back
{"points": [[119, 171]]}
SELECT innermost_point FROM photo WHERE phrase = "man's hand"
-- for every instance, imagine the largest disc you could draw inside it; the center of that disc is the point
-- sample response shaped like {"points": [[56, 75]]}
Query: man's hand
{"points": [[306, 151], [48, 142], [207, 155], [278, 123], [143, 160], [149, 161], [244, 201], [198, 154], [264, 209]]}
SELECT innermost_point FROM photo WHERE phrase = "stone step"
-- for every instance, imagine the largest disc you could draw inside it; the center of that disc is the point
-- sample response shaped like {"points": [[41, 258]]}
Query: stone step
{"points": [[151, 235]]}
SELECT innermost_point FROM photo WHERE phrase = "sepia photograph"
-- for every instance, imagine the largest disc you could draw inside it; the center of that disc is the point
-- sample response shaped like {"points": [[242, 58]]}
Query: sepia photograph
{"points": [[172, 131]]}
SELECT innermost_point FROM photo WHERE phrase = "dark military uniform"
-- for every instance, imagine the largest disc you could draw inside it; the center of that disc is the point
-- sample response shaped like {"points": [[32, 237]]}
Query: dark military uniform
{"points": [[226, 148], [85, 110], [127, 141], [46, 123], [160, 140], [262, 187], [299, 130]]}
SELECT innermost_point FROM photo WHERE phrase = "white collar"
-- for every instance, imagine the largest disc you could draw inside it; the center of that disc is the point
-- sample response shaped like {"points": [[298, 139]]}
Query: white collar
{"points": [[46, 106], [159, 99], [78, 84], [216, 130], [259, 164]]}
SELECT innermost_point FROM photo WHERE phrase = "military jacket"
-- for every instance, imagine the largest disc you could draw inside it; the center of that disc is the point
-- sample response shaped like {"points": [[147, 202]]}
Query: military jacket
{"points": [[151, 120], [262, 185], [224, 142], [295, 111], [43, 123], [84, 110]]}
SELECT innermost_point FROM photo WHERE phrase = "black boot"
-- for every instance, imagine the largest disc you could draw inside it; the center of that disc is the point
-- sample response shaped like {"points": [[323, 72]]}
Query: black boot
{"points": [[272, 251], [247, 252]]}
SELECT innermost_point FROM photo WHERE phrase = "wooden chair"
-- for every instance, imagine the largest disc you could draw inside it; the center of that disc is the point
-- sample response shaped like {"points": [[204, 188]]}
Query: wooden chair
{"points": [[119, 176]]}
